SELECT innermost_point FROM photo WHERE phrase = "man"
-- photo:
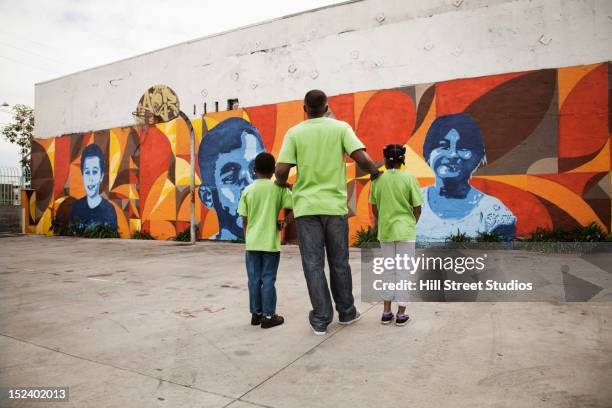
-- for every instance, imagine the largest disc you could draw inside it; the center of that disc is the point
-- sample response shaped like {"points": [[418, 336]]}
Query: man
{"points": [[226, 157], [317, 147]]}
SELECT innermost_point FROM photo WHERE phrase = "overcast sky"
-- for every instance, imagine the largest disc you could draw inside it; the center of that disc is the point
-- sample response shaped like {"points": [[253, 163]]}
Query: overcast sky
{"points": [[42, 40]]}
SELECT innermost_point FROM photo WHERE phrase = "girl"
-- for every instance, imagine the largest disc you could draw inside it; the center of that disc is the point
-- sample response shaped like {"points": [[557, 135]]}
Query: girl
{"points": [[396, 204]]}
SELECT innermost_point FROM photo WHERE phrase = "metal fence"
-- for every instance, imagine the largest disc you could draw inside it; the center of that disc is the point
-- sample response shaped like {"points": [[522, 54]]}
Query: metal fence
{"points": [[12, 180]]}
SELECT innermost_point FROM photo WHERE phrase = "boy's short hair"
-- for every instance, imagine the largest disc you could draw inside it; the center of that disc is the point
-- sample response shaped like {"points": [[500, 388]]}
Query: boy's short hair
{"points": [[264, 163], [93, 150]]}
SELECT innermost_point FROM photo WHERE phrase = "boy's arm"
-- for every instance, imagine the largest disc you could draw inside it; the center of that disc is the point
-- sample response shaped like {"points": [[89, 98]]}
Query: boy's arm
{"points": [[417, 213], [375, 213]]}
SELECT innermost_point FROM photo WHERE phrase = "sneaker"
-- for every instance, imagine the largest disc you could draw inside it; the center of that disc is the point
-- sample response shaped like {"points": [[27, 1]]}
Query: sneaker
{"points": [[272, 321], [401, 320], [387, 317], [256, 319], [318, 332], [346, 323]]}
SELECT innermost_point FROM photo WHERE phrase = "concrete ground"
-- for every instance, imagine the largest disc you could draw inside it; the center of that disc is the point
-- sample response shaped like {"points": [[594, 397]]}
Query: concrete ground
{"points": [[128, 323]]}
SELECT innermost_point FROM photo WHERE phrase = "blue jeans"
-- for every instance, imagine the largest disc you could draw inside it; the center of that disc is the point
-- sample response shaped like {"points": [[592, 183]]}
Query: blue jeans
{"points": [[318, 235], [261, 269]]}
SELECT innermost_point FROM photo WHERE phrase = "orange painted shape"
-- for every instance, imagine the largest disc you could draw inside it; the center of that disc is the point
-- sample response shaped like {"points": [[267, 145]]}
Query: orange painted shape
{"points": [[288, 114], [360, 99], [583, 117], [567, 78], [162, 229], [418, 137]]}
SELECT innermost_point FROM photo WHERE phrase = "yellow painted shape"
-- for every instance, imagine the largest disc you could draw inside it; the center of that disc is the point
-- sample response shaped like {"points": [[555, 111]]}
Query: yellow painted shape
{"points": [[600, 163], [135, 225], [416, 165], [44, 224], [557, 194], [182, 171], [51, 155], [114, 160]]}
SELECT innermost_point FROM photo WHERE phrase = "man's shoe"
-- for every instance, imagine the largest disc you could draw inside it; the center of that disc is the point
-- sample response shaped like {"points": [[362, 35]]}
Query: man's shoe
{"points": [[256, 319], [271, 321], [387, 317], [353, 320], [401, 320], [318, 332]]}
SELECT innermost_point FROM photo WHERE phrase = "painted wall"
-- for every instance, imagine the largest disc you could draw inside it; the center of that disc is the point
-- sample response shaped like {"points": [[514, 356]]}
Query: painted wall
{"points": [[368, 44], [537, 143]]}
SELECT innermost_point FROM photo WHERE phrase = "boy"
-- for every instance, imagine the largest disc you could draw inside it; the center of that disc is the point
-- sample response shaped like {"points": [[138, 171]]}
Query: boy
{"points": [[259, 206]]}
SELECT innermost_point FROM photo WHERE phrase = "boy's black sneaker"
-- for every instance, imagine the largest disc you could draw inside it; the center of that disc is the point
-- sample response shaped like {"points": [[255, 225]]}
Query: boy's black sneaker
{"points": [[256, 319], [271, 321], [387, 317], [401, 320]]}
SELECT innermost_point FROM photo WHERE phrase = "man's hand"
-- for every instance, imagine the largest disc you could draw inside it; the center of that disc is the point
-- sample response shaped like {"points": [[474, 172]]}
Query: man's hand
{"points": [[365, 163], [282, 174]]}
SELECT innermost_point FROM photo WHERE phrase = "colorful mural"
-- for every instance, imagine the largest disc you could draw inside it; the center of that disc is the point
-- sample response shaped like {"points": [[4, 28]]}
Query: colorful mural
{"points": [[508, 152]]}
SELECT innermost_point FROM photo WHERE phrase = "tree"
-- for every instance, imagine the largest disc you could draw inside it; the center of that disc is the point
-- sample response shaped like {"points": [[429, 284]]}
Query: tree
{"points": [[20, 130]]}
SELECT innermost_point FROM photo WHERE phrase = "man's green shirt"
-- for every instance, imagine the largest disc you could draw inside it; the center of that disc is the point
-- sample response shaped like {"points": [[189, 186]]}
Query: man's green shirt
{"points": [[396, 193], [261, 202], [317, 147]]}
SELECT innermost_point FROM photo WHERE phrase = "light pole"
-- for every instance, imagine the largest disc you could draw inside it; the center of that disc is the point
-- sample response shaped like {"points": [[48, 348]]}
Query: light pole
{"points": [[160, 104]]}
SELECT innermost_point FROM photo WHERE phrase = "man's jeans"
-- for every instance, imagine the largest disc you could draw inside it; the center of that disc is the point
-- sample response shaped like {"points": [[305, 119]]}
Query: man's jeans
{"points": [[318, 234], [261, 269]]}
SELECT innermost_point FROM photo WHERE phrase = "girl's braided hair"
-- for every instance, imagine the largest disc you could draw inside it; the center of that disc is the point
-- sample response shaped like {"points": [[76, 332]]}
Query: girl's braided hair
{"points": [[395, 153]]}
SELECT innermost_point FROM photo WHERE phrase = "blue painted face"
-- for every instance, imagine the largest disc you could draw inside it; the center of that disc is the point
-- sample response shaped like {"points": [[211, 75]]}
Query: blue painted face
{"points": [[453, 158], [234, 172], [92, 176]]}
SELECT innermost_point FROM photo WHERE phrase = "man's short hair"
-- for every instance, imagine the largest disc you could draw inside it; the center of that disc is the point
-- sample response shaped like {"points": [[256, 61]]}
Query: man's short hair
{"points": [[315, 100], [93, 150], [264, 163], [223, 138]]}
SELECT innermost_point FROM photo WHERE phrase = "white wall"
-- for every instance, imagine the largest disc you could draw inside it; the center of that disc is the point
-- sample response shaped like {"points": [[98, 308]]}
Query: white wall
{"points": [[360, 45]]}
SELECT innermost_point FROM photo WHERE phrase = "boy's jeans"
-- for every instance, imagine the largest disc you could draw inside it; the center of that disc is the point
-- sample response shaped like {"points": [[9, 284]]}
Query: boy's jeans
{"points": [[318, 234], [261, 269]]}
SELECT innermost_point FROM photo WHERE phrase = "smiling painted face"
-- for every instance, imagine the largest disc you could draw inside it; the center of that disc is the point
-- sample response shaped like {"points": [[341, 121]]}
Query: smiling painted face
{"points": [[92, 176], [453, 158]]}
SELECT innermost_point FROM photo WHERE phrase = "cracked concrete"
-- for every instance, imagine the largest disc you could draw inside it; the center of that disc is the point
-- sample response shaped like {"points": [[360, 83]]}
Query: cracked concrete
{"points": [[159, 324]]}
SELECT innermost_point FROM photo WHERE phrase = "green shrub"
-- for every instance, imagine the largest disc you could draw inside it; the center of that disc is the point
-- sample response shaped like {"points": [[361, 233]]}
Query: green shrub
{"points": [[81, 230], [489, 237], [364, 236], [142, 235], [100, 231], [185, 235], [459, 237], [589, 233]]}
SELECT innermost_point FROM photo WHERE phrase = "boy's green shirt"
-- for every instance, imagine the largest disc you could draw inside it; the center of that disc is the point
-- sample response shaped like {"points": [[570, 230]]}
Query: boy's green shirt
{"points": [[396, 193], [261, 202], [317, 147]]}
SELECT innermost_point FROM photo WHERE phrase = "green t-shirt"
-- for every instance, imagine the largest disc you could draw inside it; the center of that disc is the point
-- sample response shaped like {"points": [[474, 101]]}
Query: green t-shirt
{"points": [[396, 193], [261, 202], [317, 147]]}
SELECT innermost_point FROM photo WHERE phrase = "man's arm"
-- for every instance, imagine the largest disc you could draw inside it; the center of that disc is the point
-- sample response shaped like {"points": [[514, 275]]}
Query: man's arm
{"points": [[281, 173], [245, 223], [417, 213], [375, 214], [365, 163]]}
